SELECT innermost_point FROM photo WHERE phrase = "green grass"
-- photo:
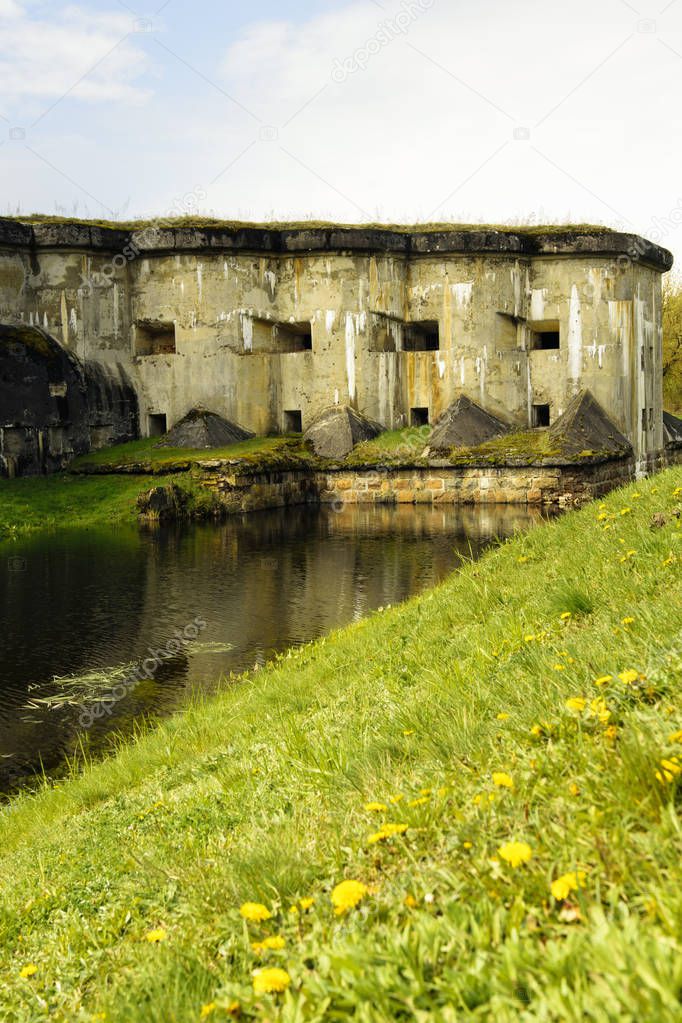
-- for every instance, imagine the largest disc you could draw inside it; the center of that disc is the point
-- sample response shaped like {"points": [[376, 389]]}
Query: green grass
{"points": [[260, 795], [526, 446], [406, 447], [269, 452], [43, 503], [392, 447], [35, 503], [200, 223]]}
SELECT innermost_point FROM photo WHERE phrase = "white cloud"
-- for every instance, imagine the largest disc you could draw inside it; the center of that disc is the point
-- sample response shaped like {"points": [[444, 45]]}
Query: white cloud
{"points": [[425, 131], [9, 9], [427, 128], [86, 55]]}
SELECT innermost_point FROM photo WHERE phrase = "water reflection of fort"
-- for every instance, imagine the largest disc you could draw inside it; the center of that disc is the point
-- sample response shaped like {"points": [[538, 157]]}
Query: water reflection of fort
{"points": [[262, 583]]}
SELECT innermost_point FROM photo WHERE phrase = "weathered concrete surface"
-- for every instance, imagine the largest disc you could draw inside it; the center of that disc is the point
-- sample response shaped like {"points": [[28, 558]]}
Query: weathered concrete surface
{"points": [[202, 429], [465, 424], [338, 429], [113, 413], [222, 299], [43, 403], [585, 427], [53, 408]]}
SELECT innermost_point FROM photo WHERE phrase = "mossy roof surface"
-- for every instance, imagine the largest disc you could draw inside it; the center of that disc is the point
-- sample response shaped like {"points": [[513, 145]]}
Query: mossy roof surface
{"points": [[307, 225]]}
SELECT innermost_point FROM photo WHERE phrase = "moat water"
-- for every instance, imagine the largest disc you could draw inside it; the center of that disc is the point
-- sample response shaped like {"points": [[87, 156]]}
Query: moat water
{"points": [[86, 615]]}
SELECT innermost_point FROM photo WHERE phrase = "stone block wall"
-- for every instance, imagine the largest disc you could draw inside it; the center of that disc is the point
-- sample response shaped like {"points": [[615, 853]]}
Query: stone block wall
{"points": [[540, 486]]}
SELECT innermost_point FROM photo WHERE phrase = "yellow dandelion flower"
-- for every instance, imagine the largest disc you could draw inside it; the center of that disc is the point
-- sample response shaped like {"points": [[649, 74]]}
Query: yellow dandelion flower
{"points": [[629, 677], [306, 904], [375, 807], [503, 716], [467, 845], [294, 910], [625, 511], [671, 769], [676, 737], [529, 639], [536, 731], [677, 492], [576, 704], [270, 981], [566, 615], [410, 901], [515, 853], [256, 912], [563, 886], [273, 944], [27, 971], [388, 831], [503, 780], [394, 829], [574, 789], [599, 710], [627, 621], [347, 895], [559, 667], [611, 733], [603, 680], [408, 732], [208, 1010], [477, 800], [523, 559], [418, 802], [396, 799], [156, 936]]}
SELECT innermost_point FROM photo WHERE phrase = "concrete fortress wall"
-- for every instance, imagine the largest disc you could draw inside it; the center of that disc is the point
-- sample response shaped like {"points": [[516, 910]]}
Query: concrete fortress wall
{"points": [[261, 325]]}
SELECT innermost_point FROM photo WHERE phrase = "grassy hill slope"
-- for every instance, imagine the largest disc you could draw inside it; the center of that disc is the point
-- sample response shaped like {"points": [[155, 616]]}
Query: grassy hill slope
{"points": [[509, 726]]}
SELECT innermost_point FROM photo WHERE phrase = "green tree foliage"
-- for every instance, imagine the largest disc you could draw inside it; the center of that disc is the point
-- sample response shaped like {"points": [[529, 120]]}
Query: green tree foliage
{"points": [[672, 346]]}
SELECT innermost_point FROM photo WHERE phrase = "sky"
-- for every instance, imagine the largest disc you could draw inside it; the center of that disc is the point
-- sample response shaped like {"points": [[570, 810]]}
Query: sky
{"points": [[348, 110]]}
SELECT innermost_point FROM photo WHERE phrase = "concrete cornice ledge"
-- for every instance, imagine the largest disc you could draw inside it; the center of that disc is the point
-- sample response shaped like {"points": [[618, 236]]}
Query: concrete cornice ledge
{"points": [[282, 240]]}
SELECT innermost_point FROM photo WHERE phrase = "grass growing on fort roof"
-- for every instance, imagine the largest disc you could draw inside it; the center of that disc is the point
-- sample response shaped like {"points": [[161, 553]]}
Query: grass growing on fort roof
{"points": [[204, 223], [270, 452], [495, 767]]}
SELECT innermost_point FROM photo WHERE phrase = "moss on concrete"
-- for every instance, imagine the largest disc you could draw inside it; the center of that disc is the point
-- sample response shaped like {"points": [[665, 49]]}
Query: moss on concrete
{"points": [[32, 339], [199, 223], [144, 457]]}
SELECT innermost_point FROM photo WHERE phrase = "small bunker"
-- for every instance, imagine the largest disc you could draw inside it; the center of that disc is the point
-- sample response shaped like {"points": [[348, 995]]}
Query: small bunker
{"points": [[585, 426], [335, 432], [672, 430], [202, 429], [465, 425]]}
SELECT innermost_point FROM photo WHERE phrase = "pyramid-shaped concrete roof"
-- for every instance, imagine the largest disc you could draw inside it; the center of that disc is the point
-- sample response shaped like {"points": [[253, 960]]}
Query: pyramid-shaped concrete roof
{"points": [[335, 431], [672, 430], [585, 426], [465, 424], [202, 429]]}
